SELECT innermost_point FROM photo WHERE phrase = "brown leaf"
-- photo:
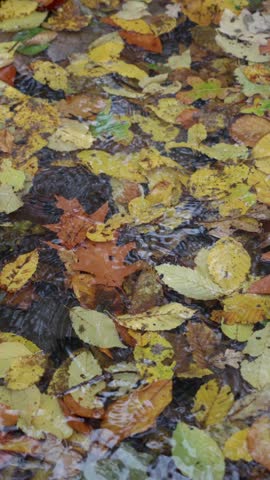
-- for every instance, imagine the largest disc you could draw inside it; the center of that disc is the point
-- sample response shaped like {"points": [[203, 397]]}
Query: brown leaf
{"points": [[75, 222], [261, 286], [138, 411], [76, 409], [203, 343], [105, 261], [67, 18], [8, 417], [6, 141], [85, 106], [259, 441], [248, 129]]}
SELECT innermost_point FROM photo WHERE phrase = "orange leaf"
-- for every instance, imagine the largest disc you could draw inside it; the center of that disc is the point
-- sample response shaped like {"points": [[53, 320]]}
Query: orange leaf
{"points": [[8, 417], [105, 261], [248, 129], [262, 286], [8, 74], [259, 441], [147, 42], [75, 222], [138, 411], [75, 408]]}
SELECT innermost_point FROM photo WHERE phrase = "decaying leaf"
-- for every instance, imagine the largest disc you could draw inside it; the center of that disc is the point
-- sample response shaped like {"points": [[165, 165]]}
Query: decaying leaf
{"points": [[212, 403], [68, 18], [153, 355], [165, 317], [138, 411], [258, 441], [16, 274]]}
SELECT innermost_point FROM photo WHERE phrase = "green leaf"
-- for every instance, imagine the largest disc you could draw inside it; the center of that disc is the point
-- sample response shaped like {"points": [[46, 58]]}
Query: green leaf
{"points": [[165, 317], [106, 125], [196, 454], [32, 49], [95, 328], [188, 282], [250, 88]]}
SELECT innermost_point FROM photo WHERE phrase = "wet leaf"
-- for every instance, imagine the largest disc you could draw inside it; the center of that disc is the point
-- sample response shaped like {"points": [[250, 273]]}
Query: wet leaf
{"points": [[50, 419], [22, 23], [212, 403], [257, 371], [196, 454], [228, 263], [50, 74], [138, 411], [188, 282], [67, 18], [16, 274], [203, 343], [153, 355], [70, 135], [258, 441], [105, 261], [165, 317], [26, 371], [95, 328], [236, 447]]}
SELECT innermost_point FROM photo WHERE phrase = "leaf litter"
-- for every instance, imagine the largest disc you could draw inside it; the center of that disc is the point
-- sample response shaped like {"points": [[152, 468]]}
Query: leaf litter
{"points": [[134, 205]]}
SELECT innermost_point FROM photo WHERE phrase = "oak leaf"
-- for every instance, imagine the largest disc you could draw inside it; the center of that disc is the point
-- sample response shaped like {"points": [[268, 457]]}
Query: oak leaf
{"points": [[138, 411], [105, 261], [74, 222]]}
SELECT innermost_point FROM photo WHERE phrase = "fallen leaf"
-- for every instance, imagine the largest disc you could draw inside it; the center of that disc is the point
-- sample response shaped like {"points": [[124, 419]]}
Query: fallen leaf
{"points": [[258, 441], [16, 274], [236, 447], [196, 454], [212, 403], [67, 18], [138, 411], [95, 328]]}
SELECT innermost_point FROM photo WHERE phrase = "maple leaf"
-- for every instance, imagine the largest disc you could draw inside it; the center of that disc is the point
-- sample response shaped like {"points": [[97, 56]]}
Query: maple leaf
{"points": [[75, 222], [105, 261]]}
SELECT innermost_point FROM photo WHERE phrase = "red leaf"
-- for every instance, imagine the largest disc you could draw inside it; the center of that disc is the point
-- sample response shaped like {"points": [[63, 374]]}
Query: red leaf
{"points": [[8, 74], [147, 42]]}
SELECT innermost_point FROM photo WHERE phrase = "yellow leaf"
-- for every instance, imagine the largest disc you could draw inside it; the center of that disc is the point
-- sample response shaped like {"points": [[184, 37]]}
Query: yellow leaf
{"points": [[165, 317], [205, 12], [7, 51], [238, 332], [9, 202], [107, 48], [50, 419], [11, 176], [154, 356], [118, 166], [195, 371], [17, 8], [70, 135], [36, 115], [9, 351], [212, 403], [161, 24], [125, 69], [50, 74], [261, 154], [228, 264], [16, 274], [159, 130], [246, 308], [26, 371], [138, 25], [15, 24], [236, 447]]}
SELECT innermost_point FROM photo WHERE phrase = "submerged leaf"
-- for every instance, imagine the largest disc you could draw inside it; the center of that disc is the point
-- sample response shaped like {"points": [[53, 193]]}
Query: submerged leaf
{"points": [[196, 454]]}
